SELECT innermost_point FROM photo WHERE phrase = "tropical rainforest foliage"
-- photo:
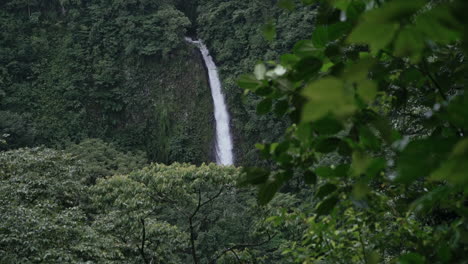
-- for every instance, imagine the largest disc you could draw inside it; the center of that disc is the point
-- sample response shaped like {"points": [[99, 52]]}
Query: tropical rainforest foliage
{"points": [[377, 100], [350, 134], [115, 70], [158, 214]]}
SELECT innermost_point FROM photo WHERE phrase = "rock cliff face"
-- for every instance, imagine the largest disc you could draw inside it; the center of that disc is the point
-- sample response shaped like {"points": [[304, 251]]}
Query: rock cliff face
{"points": [[171, 109]]}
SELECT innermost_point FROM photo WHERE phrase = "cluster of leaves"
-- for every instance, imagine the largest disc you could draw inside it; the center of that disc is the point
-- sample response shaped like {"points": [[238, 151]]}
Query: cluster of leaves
{"points": [[100, 159], [42, 219], [46, 206], [377, 100]]}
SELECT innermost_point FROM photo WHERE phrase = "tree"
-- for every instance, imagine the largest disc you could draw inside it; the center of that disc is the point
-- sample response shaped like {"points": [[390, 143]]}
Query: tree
{"points": [[100, 159], [47, 211], [42, 201], [206, 217]]}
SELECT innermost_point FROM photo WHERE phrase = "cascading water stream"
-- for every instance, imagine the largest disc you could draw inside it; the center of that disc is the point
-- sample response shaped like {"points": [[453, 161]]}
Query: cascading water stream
{"points": [[224, 154]]}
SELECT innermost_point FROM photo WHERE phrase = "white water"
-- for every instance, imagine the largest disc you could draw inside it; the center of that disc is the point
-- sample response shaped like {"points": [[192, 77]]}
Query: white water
{"points": [[224, 154]]}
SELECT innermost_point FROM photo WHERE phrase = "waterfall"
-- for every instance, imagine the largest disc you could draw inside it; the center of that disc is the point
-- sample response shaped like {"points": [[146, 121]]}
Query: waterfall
{"points": [[224, 154]]}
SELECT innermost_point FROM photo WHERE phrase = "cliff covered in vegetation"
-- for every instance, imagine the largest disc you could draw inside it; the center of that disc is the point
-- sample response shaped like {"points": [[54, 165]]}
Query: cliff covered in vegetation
{"points": [[121, 71], [113, 70]]}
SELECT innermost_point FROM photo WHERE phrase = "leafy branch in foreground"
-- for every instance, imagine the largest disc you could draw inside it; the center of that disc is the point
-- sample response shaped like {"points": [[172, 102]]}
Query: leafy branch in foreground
{"points": [[377, 98]]}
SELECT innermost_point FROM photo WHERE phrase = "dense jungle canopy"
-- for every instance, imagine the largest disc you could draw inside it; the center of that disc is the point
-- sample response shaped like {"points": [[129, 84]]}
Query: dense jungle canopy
{"points": [[349, 122]]}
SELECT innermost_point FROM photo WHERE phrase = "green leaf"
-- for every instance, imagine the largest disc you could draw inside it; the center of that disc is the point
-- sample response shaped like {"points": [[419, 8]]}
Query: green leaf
{"points": [[366, 33], [421, 157], [264, 150], [304, 132], [325, 190], [358, 71], [341, 4], [309, 2], [457, 111], [455, 169], [267, 191], [354, 10], [320, 36], [281, 107], [286, 4], [411, 258], [382, 124], [249, 82], [344, 149], [360, 163], [269, 31], [327, 205], [264, 90], [260, 146], [283, 176], [334, 53], [273, 147], [282, 147], [367, 90], [325, 96], [360, 190], [327, 126], [368, 139], [387, 18], [284, 158], [327, 145], [326, 66], [289, 59], [338, 30], [306, 48], [324, 34], [439, 25], [307, 67], [253, 175], [375, 167], [430, 200], [409, 43], [414, 77], [310, 177], [264, 106], [460, 149], [394, 11]]}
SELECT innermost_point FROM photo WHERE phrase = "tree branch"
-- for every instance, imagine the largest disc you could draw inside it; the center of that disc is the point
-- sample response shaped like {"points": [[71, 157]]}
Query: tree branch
{"points": [[235, 254], [363, 247], [200, 205], [192, 231], [424, 71], [436, 83], [143, 238], [165, 199], [241, 246]]}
